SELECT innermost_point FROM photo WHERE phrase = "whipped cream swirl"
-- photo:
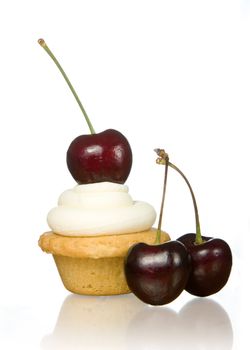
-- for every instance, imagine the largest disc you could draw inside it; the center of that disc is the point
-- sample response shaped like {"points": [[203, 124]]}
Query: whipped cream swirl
{"points": [[99, 209]]}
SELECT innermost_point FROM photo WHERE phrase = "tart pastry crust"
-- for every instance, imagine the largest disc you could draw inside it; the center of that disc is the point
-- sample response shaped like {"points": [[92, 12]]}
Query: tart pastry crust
{"points": [[95, 247]]}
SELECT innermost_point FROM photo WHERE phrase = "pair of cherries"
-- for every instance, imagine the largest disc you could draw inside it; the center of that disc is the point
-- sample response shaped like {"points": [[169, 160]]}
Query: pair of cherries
{"points": [[156, 274]]}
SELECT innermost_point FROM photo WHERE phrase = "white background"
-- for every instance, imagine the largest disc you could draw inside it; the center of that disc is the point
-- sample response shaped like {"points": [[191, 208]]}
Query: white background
{"points": [[169, 74]]}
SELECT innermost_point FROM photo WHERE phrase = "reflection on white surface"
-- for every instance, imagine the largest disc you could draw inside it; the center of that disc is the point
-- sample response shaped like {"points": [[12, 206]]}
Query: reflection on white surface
{"points": [[92, 323], [201, 324], [123, 322]]}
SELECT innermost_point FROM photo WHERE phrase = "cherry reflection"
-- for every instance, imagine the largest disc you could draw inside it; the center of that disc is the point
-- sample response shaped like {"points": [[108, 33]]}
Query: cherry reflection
{"points": [[201, 324]]}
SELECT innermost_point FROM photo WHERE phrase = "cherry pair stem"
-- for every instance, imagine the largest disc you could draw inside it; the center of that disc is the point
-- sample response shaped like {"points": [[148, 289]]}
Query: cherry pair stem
{"points": [[164, 159], [50, 53]]}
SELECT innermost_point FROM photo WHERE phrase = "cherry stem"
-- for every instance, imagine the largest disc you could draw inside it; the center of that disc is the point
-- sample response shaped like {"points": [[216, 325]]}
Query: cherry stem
{"points": [[198, 238], [163, 159], [49, 52]]}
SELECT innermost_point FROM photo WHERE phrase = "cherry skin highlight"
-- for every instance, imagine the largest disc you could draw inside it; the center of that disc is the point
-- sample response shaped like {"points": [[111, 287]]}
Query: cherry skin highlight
{"points": [[105, 156], [157, 274], [211, 263]]}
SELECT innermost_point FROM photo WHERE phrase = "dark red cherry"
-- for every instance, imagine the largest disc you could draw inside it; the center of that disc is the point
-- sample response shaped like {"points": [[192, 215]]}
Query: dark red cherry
{"points": [[157, 274], [97, 157], [211, 264], [105, 156]]}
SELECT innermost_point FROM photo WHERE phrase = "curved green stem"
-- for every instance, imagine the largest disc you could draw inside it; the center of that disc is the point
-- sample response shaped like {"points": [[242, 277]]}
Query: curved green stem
{"points": [[164, 159], [49, 52], [198, 238]]}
